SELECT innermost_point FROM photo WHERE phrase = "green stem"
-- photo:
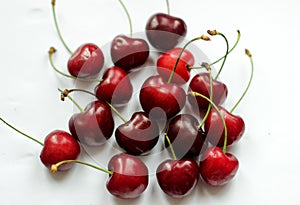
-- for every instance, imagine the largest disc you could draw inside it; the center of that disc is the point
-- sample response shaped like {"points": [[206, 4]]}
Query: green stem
{"points": [[128, 16], [22, 133], [51, 51], [210, 97], [66, 92], [181, 52], [219, 113], [225, 57], [57, 27], [249, 83], [171, 147], [54, 167], [168, 7], [71, 99]]}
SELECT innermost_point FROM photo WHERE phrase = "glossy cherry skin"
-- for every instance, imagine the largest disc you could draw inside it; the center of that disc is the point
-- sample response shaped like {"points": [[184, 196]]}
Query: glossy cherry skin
{"points": [[93, 126], [139, 135], [218, 168], [130, 176], [115, 87], [86, 61], [161, 98], [128, 53], [165, 64], [58, 146], [214, 127], [187, 140], [177, 178], [164, 32], [200, 83]]}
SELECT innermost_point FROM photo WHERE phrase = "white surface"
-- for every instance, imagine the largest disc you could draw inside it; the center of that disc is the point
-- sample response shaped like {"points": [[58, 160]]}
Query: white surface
{"points": [[268, 153]]}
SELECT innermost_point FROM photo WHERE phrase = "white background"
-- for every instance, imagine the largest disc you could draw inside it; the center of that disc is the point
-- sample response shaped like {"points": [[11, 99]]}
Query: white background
{"points": [[268, 153]]}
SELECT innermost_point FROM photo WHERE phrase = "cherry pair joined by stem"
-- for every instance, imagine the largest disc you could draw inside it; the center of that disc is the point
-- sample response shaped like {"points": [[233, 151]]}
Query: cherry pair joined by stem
{"points": [[95, 125], [58, 145]]}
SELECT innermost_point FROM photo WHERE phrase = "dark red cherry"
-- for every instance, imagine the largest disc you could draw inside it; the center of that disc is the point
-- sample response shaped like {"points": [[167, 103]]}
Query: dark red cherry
{"points": [[58, 146], [115, 87], [86, 61], [186, 138], [128, 53], [130, 176], [177, 178], [200, 83], [218, 168], [160, 98], [166, 62], [214, 127], [139, 135], [93, 126], [164, 32]]}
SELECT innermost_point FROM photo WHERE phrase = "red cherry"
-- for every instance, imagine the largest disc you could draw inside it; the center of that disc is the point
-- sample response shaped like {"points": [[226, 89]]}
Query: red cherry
{"points": [[218, 168], [186, 138], [200, 83], [177, 178], [128, 53], [166, 62], [214, 127], [86, 61], [59, 145], [161, 98], [129, 178], [139, 135], [93, 126], [164, 32], [115, 87]]}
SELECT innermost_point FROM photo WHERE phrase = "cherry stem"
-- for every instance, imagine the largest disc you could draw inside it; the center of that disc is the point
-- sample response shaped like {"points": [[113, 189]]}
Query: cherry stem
{"points": [[203, 37], [51, 51], [66, 92], [22, 133], [128, 16], [168, 6], [219, 113], [206, 65], [216, 61], [213, 33], [57, 27], [249, 83], [54, 167], [171, 147]]}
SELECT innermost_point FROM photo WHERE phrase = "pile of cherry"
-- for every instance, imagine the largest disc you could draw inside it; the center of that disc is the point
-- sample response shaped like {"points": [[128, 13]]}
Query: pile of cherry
{"points": [[161, 97]]}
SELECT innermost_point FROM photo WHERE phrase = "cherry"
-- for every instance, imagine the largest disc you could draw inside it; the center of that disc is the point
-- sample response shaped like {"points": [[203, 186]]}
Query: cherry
{"points": [[115, 87], [187, 139], [128, 52], [128, 175], [93, 125], [235, 124], [161, 98], [177, 178], [200, 83], [86, 61], [216, 167], [58, 145], [167, 60], [164, 31], [173, 65], [138, 135]]}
